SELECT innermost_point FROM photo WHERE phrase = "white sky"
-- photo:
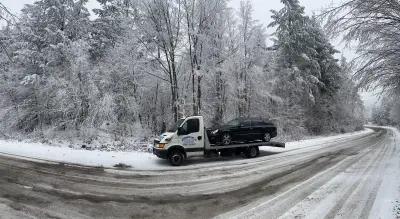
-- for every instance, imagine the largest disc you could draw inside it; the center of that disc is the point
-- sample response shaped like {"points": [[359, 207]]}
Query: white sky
{"points": [[261, 7], [261, 12]]}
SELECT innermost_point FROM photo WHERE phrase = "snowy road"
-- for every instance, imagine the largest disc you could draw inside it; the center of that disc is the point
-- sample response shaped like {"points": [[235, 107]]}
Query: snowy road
{"points": [[357, 176]]}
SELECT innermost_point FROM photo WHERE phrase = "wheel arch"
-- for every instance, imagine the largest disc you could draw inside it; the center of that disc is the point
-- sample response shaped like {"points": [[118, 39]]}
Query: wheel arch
{"points": [[177, 147]]}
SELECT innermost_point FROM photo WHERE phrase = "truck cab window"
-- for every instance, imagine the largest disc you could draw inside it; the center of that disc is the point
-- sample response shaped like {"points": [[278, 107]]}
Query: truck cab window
{"points": [[191, 126], [176, 125]]}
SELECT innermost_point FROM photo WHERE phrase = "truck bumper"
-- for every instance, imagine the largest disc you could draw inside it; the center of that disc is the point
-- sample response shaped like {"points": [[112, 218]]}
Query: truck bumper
{"points": [[161, 153]]}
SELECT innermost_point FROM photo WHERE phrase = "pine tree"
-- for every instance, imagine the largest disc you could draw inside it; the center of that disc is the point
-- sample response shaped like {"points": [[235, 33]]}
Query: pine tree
{"points": [[43, 41], [305, 49], [110, 25]]}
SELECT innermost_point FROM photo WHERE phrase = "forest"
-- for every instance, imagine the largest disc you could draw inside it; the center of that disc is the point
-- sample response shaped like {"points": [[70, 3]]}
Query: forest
{"points": [[136, 66]]}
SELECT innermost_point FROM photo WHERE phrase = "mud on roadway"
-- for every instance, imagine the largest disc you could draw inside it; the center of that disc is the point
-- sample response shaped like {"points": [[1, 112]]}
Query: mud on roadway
{"points": [[344, 175]]}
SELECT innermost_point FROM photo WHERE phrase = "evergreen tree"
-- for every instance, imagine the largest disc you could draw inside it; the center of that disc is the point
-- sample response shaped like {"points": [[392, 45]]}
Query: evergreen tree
{"points": [[43, 42], [305, 49], [291, 35], [109, 26]]}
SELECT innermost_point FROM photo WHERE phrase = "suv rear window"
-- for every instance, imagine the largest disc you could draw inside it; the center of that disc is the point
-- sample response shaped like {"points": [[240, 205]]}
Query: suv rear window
{"points": [[234, 122], [247, 123], [257, 123]]}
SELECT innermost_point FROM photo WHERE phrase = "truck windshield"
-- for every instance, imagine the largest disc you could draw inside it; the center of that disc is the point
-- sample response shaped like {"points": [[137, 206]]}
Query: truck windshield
{"points": [[177, 124]]}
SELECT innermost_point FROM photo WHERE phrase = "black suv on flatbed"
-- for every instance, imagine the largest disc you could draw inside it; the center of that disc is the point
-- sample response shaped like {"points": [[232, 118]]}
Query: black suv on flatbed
{"points": [[242, 130]]}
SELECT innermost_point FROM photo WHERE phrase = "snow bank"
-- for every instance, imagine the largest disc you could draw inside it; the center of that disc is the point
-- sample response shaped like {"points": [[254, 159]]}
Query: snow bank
{"points": [[136, 160], [324, 139]]}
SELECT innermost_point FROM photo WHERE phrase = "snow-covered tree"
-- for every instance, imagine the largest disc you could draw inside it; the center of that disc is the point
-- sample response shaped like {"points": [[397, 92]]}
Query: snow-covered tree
{"points": [[42, 40], [387, 112], [163, 25], [372, 25], [140, 65], [308, 57], [109, 26], [202, 19]]}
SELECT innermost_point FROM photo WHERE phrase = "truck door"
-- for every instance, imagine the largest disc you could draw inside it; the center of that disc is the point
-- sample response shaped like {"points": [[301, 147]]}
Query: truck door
{"points": [[191, 134]]}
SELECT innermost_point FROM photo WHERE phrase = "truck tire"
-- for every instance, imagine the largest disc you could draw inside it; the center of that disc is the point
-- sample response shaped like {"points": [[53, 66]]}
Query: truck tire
{"points": [[176, 157], [226, 139], [252, 152], [267, 137]]}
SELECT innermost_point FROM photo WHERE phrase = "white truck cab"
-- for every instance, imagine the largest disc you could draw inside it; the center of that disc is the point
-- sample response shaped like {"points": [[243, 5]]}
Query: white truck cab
{"points": [[189, 139]]}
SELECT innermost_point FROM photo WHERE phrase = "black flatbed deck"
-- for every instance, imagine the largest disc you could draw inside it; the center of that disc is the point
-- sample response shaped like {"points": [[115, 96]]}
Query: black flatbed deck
{"points": [[253, 144]]}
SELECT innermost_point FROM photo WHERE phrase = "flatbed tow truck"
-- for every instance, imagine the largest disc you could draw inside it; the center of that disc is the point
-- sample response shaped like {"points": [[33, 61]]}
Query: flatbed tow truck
{"points": [[190, 139]]}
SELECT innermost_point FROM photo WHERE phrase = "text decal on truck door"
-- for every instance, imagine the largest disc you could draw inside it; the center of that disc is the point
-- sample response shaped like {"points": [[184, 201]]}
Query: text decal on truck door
{"points": [[188, 140]]}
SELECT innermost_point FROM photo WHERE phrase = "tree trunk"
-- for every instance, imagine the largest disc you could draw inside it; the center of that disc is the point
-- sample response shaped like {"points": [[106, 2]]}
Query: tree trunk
{"points": [[219, 104], [198, 95]]}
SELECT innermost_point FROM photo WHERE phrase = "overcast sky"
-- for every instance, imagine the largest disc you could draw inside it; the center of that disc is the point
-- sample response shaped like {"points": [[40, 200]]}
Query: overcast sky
{"points": [[261, 7], [262, 13]]}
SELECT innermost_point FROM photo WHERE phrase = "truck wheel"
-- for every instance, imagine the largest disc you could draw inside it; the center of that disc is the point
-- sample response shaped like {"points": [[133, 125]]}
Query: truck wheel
{"points": [[226, 139], [267, 137], [176, 158], [252, 152]]}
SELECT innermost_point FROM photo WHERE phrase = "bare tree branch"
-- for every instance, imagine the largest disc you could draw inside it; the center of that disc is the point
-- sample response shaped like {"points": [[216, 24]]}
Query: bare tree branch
{"points": [[374, 25]]}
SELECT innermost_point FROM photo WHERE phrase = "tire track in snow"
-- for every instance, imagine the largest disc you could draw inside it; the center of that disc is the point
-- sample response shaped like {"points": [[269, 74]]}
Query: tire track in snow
{"points": [[278, 204], [324, 198], [345, 206], [360, 190]]}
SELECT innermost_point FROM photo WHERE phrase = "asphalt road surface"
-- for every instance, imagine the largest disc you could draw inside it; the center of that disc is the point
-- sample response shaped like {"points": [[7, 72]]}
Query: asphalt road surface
{"points": [[346, 178]]}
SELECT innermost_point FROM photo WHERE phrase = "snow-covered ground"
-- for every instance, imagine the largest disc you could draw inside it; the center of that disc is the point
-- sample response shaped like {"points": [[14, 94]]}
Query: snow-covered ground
{"points": [[368, 188], [355, 175], [136, 160]]}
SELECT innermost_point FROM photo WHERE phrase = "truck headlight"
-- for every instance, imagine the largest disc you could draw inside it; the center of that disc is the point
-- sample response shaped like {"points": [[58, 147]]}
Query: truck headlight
{"points": [[168, 139], [214, 132]]}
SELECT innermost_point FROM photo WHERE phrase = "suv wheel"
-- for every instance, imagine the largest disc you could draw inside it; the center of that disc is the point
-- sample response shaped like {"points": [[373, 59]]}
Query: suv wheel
{"points": [[176, 158], [252, 152], [267, 137], [226, 139]]}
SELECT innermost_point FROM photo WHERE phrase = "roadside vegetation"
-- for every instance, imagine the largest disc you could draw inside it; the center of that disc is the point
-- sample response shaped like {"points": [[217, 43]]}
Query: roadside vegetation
{"points": [[135, 68], [388, 112]]}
